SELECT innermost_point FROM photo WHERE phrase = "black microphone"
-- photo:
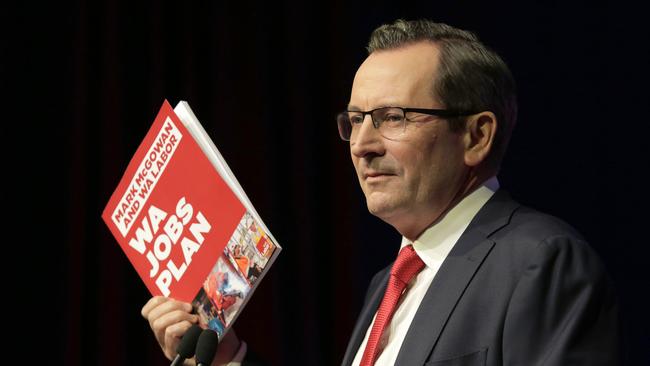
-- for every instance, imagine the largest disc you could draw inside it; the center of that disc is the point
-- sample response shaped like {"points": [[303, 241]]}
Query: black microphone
{"points": [[206, 347], [187, 345]]}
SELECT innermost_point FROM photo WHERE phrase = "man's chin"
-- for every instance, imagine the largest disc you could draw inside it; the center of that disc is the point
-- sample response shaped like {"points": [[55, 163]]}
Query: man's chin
{"points": [[380, 207]]}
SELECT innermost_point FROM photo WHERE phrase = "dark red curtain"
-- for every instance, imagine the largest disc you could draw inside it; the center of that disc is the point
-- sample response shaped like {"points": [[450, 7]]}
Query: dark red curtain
{"points": [[84, 80]]}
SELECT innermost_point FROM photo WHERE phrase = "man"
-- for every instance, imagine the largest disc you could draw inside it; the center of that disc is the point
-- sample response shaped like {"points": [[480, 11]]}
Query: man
{"points": [[500, 283], [488, 281]]}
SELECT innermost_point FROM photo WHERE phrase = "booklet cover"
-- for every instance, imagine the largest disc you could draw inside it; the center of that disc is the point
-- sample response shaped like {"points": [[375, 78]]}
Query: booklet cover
{"points": [[186, 224]]}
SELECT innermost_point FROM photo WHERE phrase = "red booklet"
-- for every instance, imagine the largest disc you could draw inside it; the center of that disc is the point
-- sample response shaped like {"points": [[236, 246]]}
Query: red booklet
{"points": [[186, 224]]}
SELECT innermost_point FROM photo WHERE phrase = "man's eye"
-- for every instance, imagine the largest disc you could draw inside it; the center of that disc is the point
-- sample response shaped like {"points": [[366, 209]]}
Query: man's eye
{"points": [[356, 119], [393, 118]]}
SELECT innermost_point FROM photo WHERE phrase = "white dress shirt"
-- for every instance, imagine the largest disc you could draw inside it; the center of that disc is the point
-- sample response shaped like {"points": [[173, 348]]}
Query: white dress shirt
{"points": [[433, 246]]}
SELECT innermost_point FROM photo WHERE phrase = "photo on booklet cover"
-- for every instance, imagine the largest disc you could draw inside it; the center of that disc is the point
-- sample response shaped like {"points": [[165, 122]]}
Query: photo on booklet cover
{"points": [[221, 297], [249, 249]]}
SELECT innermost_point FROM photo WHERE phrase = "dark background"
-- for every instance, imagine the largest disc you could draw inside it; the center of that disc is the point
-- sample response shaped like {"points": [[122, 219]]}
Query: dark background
{"points": [[82, 82]]}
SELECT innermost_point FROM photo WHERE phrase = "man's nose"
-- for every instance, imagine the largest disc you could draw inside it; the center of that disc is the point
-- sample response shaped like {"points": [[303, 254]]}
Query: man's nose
{"points": [[367, 139]]}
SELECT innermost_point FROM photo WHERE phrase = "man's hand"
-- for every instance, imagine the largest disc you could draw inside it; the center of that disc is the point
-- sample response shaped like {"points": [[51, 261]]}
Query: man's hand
{"points": [[170, 319]]}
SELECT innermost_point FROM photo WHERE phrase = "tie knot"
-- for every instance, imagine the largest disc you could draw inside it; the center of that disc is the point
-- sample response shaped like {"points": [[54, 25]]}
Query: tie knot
{"points": [[407, 264]]}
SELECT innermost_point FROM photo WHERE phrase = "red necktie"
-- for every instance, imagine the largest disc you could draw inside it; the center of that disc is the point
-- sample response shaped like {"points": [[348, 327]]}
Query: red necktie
{"points": [[407, 265]]}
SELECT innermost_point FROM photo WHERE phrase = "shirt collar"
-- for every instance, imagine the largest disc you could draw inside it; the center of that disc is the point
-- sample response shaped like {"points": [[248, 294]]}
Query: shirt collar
{"points": [[435, 243]]}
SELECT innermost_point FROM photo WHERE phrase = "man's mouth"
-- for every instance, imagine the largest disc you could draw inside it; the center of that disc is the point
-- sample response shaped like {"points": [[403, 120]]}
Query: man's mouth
{"points": [[373, 175]]}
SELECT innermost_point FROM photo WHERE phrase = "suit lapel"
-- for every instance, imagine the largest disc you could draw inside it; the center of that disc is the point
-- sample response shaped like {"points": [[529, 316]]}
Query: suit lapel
{"points": [[367, 313], [439, 302], [452, 279]]}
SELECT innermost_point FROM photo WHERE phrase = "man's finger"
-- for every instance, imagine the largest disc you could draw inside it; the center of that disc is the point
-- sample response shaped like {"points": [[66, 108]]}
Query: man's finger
{"points": [[151, 304]]}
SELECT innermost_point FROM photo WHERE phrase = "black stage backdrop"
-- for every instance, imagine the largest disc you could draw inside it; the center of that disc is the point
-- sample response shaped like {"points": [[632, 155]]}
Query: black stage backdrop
{"points": [[82, 82]]}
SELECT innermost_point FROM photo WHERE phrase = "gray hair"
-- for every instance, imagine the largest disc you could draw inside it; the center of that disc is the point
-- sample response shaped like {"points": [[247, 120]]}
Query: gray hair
{"points": [[471, 77]]}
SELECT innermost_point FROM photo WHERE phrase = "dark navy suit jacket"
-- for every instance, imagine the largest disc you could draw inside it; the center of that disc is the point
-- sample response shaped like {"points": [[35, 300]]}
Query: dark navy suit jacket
{"points": [[518, 288]]}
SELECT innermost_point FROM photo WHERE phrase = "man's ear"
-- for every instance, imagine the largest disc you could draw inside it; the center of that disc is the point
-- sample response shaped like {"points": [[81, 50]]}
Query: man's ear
{"points": [[479, 135]]}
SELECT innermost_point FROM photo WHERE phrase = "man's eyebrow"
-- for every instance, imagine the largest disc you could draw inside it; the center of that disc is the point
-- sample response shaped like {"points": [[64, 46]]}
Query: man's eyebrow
{"points": [[380, 105]]}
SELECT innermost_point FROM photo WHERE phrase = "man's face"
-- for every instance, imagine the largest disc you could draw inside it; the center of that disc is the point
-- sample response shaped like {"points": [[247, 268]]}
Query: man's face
{"points": [[407, 182]]}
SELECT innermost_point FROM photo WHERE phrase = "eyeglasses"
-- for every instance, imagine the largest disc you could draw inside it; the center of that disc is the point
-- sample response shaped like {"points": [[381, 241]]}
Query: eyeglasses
{"points": [[389, 121]]}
